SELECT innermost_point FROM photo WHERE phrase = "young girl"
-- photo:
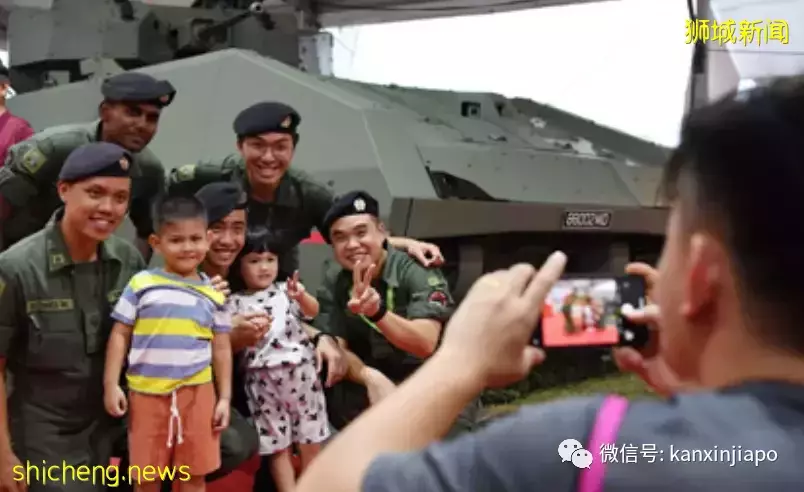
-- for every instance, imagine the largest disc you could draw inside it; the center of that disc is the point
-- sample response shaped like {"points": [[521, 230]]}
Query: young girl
{"points": [[284, 394]]}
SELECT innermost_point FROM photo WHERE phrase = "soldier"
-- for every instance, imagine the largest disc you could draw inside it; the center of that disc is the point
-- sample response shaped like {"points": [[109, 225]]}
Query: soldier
{"points": [[129, 115], [286, 200], [384, 306], [56, 290], [226, 212]]}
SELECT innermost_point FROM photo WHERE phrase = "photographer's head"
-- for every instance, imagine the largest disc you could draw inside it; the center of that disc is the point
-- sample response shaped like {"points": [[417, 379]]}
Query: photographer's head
{"points": [[732, 269]]}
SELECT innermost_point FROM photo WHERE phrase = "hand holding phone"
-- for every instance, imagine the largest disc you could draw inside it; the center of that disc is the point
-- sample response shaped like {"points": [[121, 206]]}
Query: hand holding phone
{"points": [[588, 312]]}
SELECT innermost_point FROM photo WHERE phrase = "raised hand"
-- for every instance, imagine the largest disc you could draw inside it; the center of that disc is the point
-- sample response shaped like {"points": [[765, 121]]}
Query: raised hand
{"points": [[295, 288], [365, 300]]}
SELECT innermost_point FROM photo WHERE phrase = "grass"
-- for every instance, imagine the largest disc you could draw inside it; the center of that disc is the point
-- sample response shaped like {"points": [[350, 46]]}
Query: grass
{"points": [[623, 384]]}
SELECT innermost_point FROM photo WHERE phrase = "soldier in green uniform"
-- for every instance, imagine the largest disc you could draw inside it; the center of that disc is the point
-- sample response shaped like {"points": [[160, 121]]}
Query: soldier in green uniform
{"points": [[227, 215], [384, 306], [129, 115], [56, 289], [285, 200]]}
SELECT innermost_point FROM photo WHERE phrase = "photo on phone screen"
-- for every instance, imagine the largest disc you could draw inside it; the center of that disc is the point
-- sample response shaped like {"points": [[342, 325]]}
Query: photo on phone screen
{"points": [[581, 312]]}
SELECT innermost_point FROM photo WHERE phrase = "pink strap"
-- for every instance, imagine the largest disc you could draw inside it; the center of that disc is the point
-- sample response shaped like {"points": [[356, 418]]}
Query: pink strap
{"points": [[607, 424]]}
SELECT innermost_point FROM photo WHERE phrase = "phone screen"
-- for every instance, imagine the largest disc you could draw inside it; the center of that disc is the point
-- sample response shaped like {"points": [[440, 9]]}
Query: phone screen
{"points": [[587, 312]]}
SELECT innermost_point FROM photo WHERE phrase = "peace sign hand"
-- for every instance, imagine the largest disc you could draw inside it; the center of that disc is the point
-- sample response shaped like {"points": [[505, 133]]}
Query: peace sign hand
{"points": [[365, 300], [295, 288]]}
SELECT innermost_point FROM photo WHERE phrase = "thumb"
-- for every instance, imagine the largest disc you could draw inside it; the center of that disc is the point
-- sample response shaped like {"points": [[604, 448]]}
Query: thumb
{"points": [[627, 359], [531, 357], [319, 361]]}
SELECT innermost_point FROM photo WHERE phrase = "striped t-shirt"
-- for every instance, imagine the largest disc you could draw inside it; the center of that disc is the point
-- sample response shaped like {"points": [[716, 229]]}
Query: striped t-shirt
{"points": [[174, 320]]}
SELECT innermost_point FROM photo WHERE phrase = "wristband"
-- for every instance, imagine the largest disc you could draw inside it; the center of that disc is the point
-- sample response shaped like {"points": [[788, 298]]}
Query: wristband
{"points": [[317, 338], [380, 314]]}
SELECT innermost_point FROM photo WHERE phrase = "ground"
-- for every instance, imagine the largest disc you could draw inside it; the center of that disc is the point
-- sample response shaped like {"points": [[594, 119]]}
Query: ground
{"points": [[621, 384]]}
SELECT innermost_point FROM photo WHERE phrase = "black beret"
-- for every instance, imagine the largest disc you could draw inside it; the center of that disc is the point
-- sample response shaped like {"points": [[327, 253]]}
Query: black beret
{"points": [[220, 199], [96, 159], [138, 87], [266, 117], [352, 203]]}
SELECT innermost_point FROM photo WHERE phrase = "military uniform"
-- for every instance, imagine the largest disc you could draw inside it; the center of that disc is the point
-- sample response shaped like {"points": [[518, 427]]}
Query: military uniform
{"points": [[54, 326], [407, 289], [300, 202], [32, 167]]}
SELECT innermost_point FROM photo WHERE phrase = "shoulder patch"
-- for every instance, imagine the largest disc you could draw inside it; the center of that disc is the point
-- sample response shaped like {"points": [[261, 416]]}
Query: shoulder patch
{"points": [[434, 281], [33, 159], [2, 286], [186, 172], [438, 298]]}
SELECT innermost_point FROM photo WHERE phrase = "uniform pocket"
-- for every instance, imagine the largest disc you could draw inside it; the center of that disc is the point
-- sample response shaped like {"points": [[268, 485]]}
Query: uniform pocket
{"points": [[54, 342], [94, 334]]}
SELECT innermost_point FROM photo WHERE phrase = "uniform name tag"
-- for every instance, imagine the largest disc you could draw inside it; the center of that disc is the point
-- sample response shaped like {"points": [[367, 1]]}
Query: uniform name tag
{"points": [[587, 219], [49, 305]]}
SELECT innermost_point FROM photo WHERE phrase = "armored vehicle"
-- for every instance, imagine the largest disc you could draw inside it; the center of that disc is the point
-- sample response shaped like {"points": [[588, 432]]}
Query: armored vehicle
{"points": [[492, 180]]}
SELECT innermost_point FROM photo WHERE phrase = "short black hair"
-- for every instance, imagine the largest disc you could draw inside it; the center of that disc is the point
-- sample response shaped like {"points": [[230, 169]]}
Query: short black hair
{"points": [[740, 168], [258, 240], [174, 208]]}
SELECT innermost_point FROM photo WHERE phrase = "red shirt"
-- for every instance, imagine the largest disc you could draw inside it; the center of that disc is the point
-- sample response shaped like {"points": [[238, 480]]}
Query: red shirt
{"points": [[13, 129]]}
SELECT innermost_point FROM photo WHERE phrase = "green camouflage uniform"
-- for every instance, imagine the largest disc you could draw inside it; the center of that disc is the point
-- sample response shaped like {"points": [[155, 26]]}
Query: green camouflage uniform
{"points": [[300, 202], [410, 291], [27, 181], [54, 326]]}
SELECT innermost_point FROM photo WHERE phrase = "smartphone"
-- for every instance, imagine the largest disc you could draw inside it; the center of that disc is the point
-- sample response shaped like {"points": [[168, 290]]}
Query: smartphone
{"points": [[586, 312]]}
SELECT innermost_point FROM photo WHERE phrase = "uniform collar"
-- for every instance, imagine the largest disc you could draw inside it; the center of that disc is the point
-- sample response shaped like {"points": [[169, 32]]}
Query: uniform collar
{"points": [[389, 268], [58, 256], [94, 129], [286, 193]]}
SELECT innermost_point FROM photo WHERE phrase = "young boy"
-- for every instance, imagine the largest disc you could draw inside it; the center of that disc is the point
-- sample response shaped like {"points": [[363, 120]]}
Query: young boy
{"points": [[175, 325]]}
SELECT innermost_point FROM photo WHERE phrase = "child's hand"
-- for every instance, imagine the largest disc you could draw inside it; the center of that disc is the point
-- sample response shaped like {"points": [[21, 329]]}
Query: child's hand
{"points": [[220, 284], [114, 399], [295, 288], [220, 419]]}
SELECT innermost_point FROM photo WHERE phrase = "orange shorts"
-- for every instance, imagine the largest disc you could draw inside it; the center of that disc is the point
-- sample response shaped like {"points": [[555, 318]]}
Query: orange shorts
{"points": [[195, 444]]}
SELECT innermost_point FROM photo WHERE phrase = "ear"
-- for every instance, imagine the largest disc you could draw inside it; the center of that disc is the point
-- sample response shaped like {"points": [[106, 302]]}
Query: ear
{"points": [[240, 145], [63, 188], [706, 260], [153, 241], [209, 236], [381, 227], [103, 111]]}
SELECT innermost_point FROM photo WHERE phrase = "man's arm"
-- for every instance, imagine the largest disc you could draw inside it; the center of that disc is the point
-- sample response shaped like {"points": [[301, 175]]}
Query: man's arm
{"points": [[430, 307], [418, 337], [9, 329], [30, 166], [189, 178], [423, 409]]}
